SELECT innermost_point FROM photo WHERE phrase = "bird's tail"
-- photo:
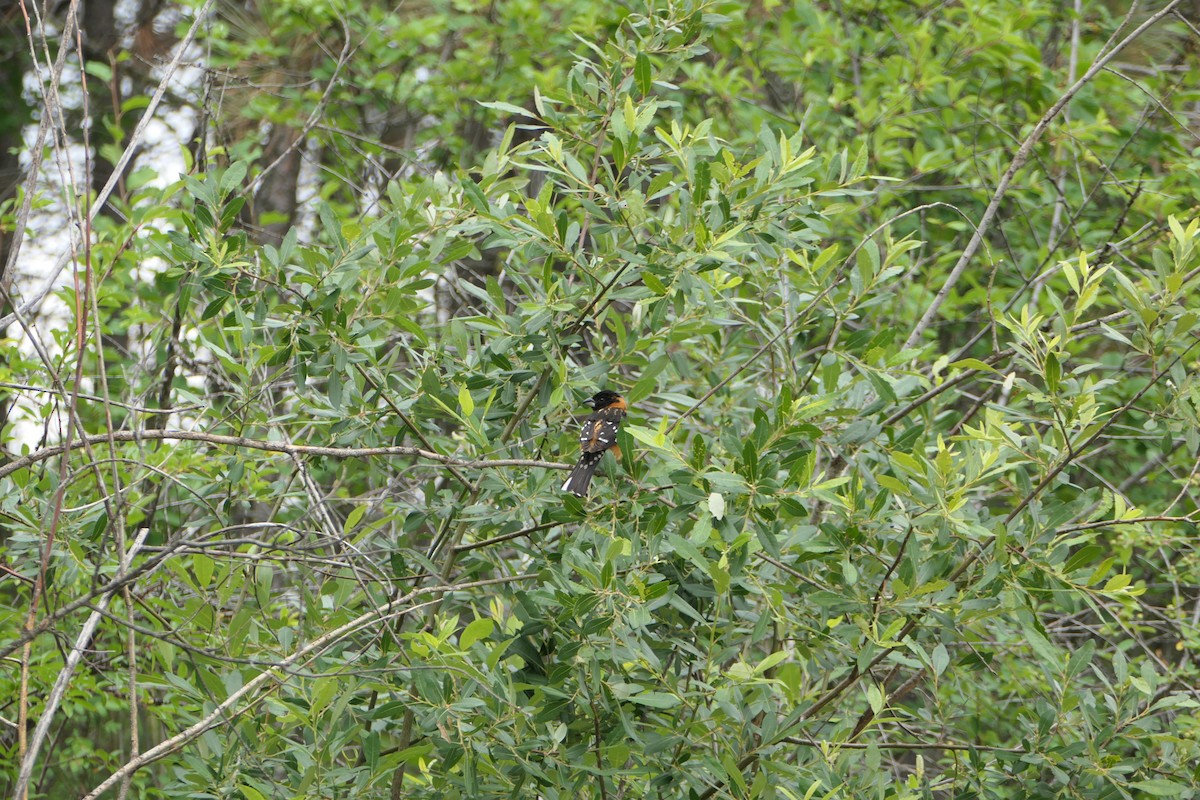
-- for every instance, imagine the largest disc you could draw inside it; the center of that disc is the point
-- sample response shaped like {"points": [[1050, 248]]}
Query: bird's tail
{"points": [[580, 479]]}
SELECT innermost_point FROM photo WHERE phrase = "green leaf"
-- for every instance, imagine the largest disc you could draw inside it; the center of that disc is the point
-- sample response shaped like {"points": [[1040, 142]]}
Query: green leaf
{"points": [[899, 487], [250, 793], [353, 518], [647, 383], [653, 283], [1099, 572], [1080, 658], [371, 749], [507, 108], [849, 572], [875, 698], [778, 657], [856, 171], [646, 436], [940, 659], [1083, 557], [465, 401], [974, 363], [1053, 373], [203, 566], [727, 482], [1159, 787], [655, 700], [98, 69], [719, 572], [1176, 229], [1040, 645], [476, 196], [642, 74], [476, 631], [232, 177], [1117, 582]]}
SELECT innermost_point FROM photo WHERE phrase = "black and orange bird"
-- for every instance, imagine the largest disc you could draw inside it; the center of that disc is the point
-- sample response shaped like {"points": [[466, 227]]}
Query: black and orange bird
{"points": [[599, 433]]}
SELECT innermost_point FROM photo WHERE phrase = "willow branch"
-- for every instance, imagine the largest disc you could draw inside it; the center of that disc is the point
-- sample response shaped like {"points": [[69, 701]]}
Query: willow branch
{"points": [[37, 456], [389, 610], [1022, 155]]}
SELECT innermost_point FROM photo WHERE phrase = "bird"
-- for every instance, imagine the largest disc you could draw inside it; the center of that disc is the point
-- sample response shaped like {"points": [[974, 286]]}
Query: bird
{"points": [[598, 433]]}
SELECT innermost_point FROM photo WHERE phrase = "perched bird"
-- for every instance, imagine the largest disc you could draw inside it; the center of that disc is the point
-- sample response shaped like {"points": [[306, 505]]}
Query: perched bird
{"points": [[599, 433]]}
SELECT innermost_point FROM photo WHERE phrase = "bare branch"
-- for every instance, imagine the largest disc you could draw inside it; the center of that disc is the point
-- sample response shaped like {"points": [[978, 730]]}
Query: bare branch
{"points": [[1023, 153], [29, 758], [390, 610], [37, 456]]}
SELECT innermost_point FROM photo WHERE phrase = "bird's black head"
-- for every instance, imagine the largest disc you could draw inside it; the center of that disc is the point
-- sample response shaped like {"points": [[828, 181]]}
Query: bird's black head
{"points": [[603, 399]]}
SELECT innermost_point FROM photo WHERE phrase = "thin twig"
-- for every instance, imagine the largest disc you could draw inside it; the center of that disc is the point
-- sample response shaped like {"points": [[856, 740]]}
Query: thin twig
{"points": [[32, 304], [804, 312], [37, 456], [507, 537], [389, 610], [835, 746], [64, 678], [1022, 155]]}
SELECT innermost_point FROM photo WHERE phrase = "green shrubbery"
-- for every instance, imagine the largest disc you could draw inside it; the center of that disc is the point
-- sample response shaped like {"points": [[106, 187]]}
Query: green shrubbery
{"points": [[829, 563]]}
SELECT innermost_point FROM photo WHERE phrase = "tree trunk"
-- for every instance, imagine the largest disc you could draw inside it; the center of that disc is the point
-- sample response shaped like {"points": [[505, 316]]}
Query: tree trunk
{"points": [[275, 201]]}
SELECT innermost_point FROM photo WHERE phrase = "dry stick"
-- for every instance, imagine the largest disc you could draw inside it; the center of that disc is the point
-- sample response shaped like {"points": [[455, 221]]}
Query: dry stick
{"points": [[1185, 21], [1112, 523], [868, 716], [891, 568], [1059, 181], [50, 620], [40, 582], [26, 754], [276, 671], [598, 738], [235, 441], [25, 387], [52, 115], [34, 302], [966, 348], [37, 152], [116, 511], [28, 751], [795, 573], [276, 447], [1041, 274], [1023, 153], [146, 569], [928, 395], [64, 677], [519, 414], [327, 523], [1161, 106]]}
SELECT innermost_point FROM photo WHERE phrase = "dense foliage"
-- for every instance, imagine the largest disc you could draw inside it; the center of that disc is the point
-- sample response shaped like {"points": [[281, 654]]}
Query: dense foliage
{"points": [[903, 298]]}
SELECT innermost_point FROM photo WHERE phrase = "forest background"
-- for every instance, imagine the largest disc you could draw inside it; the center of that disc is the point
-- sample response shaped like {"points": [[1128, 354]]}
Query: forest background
{"points": [[302, 300]]}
